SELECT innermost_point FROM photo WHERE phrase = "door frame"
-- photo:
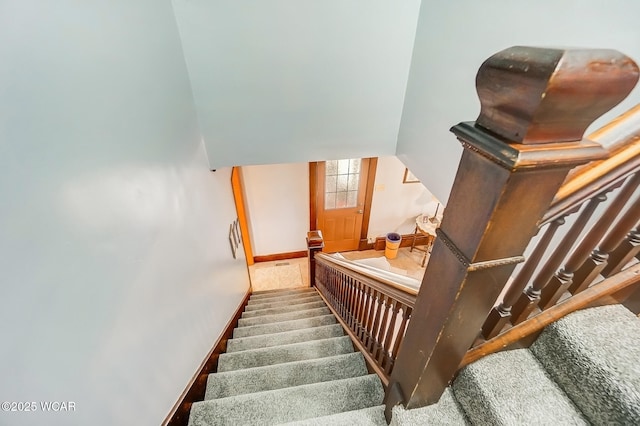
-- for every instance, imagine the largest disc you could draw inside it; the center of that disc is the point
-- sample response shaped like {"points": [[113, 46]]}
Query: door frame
{"points": [[368, 197]]}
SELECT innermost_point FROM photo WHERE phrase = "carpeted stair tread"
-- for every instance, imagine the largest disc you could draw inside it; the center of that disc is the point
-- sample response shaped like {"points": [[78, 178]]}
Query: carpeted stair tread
{"points": [[277, 327], [511, 387], [250, 380], [281, 292], [370, 416], [284, 338], [286, 316], [594, 355], [290, 404], [267, 305], [283, 309], [444, 412], [285, 353], [281, 298]]}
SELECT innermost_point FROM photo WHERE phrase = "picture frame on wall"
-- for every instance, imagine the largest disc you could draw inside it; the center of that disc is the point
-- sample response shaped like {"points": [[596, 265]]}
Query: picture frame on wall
{"points": [[232, 241], [409, 177], [236, 230], [232, 231]]}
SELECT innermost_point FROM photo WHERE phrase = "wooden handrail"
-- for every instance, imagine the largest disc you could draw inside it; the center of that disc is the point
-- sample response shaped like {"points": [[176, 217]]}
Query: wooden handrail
{"points": [[621, 137], [408, 294], [582, 300]]}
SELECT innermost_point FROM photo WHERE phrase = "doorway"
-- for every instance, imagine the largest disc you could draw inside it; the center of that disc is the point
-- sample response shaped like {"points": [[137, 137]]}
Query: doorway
{"points": [[340, 200]]}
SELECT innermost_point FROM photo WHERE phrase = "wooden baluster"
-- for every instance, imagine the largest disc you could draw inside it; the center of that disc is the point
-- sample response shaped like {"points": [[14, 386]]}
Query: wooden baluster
{"points": [[338, 284], [406, 314], [623, 254], [359, 310], [535, 107], [528, 300], [324, 282], [590, 268], [339, 287], [388, 336], [501, 314], [320, 278], [377, 354], [364, 313], [334, 289], [350, 297], [344, 297], [352, 304], [347, 300], [370, 318], [332, 284], [376, 322]]}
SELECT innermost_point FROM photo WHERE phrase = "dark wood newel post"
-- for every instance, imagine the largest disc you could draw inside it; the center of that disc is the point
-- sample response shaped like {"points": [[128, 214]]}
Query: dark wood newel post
{"points": [[536, 105], [315, 244]]}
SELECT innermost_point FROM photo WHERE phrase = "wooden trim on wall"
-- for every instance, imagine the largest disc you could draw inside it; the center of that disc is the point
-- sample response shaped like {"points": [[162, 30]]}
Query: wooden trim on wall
{"points": [[238, 196], [313, 203], [195, 390], [280, 256], [407, 240], [365, 245], [368, 197]]}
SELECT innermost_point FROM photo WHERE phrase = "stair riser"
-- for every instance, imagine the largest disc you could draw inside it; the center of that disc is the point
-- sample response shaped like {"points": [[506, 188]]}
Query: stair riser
{"points": [[283, 310], [259, 306], [283, 298], [278, 293], [268, 319], [276, 297], [221, 385], [278, 327], [286, 353], [371, 416], [290, 404], [285, 338]]}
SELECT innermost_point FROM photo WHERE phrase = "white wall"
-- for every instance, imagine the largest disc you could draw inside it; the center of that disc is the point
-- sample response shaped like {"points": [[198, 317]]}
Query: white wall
{"points": [[452, 41], [395, 205], [277, 198], [285, 81], [116, 272]]}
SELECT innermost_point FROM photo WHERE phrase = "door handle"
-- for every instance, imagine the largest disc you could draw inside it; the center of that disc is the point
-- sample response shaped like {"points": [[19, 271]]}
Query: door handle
{"points": [[360, 211]]}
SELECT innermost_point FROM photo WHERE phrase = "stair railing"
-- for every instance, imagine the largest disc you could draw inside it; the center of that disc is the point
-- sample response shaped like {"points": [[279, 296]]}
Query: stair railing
{"points": [[374, 310], [535, 107], [616, 179]]}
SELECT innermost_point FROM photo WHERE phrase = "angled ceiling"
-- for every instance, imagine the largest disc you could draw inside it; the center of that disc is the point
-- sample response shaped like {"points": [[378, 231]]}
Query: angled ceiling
{"points": [[288, 80]]}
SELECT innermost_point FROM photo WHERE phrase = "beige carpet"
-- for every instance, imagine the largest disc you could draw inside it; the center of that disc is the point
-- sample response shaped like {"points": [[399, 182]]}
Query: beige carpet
{"points": [[276, 277]]}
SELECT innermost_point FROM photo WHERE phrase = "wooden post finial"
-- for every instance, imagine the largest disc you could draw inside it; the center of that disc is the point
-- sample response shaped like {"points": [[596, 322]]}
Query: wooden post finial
{"points": [[315, 244], [533, 95]]}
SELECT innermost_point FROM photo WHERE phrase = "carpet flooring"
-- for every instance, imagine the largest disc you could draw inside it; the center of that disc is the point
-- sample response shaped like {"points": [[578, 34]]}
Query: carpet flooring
{"points": [[289, 362]]}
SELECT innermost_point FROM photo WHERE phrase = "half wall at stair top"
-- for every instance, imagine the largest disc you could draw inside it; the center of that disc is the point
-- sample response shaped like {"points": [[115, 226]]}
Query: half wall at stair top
{"points": [[289, 81]]}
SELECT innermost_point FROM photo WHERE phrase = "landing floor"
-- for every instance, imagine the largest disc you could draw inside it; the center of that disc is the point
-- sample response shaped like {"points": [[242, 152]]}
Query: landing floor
{"points": [[293, 273]]}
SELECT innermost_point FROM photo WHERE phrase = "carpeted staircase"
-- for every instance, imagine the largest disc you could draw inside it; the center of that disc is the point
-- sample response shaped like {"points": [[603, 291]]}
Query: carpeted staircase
{"points": [[289, 362]]}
